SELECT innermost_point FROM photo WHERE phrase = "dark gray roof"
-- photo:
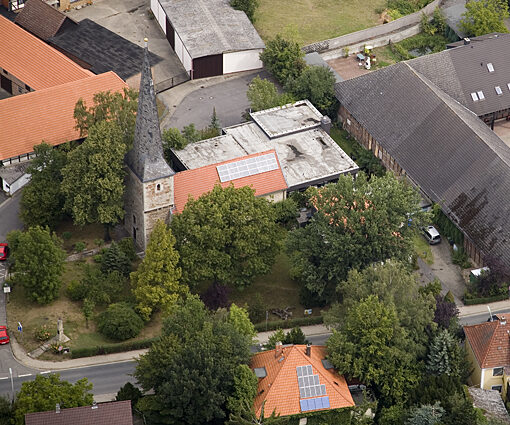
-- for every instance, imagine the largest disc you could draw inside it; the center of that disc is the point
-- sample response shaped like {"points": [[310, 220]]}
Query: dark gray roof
{"points": [[314, 59], [146, 158], [444, 148], [463, 70], [102, 49]]}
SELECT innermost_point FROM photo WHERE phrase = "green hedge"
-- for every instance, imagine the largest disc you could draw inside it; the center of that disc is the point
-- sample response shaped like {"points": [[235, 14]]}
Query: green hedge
{"points": [[446, 227], [109, 349], [288, 324], [473, 301]]}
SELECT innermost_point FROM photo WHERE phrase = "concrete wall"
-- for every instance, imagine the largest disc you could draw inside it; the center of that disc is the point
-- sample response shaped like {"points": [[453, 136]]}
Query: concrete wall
{"points": [[275, 196], [241, 61], [365, 36]]}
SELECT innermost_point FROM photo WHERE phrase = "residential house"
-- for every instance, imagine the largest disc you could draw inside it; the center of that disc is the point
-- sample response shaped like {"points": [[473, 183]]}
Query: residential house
{"points": [[491, 403], [296, 379]]}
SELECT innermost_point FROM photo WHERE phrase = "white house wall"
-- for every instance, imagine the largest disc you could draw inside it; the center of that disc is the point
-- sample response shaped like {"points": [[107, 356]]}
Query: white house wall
{"points": [[17, 185], [161, 17], [241, 61], [182, 53], [155, 9]]}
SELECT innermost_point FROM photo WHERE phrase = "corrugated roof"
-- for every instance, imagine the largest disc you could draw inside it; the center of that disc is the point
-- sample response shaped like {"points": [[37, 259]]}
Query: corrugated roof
{"points": [[490, 342], [444, 148], [112, 413], [198, 181], [41, 19], [280, 389], [30, 118], [34, 62]]}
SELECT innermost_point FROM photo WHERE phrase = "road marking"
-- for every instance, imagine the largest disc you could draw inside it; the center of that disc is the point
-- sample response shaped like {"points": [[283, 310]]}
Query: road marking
{"points": [[22, 376], [46, 371], [4, 378]]}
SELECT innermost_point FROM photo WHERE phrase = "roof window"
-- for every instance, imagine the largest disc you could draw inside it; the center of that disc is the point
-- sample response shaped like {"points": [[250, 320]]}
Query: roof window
{"points": [[490, 67], [508, 85], [498, 90], [474, 96], [480, 95]]}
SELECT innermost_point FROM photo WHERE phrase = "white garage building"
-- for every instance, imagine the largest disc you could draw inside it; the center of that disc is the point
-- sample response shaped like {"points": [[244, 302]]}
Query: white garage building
{"points": [[209, 37]]}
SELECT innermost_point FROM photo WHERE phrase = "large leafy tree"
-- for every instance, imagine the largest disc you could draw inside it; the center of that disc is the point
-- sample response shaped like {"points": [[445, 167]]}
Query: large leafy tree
{"points": [[317, 84], [192, 368], [358, 222], [93, 181], [39, 263], [263, 94], [283, 58], [116, 107], [227, 235], [44, 392], [156, 282], [42, 200], [245, 389], [484, 16], [372, 345]]}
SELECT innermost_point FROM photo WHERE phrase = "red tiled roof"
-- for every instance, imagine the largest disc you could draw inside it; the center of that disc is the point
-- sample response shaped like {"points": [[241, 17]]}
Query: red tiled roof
{"points": [[28, 119], [490, 342], [112, 413], [34, 62], [201, 180], [280, 390]]}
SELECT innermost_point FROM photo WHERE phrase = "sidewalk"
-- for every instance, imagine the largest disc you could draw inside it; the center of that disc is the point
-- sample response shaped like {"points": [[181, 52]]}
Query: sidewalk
{"points": [[472, 310]]}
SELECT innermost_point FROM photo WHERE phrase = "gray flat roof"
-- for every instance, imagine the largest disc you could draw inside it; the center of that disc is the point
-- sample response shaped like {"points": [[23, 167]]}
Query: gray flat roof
{"points": [[209, 27], [11, 173], [314, 59], [307, 154]]}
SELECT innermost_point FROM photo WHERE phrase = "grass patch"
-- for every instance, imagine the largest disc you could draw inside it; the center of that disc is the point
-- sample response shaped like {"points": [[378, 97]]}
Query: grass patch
{"points": [[422, 249], [342, 138], [71, 234], [315, 20]]}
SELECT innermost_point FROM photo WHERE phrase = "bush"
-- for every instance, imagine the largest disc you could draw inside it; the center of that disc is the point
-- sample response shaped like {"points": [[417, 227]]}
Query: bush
{"points": [[127, 246], [257, 309], [79, 246], [76, 291], [460, 258], [303, 321], [216, 296], [114, 259], [449, 297], [120, 322], [98, 242], [66, 235], [286, 212], [42, 333], [110, 349], [129, 392], [283, 58], [470, 300]]}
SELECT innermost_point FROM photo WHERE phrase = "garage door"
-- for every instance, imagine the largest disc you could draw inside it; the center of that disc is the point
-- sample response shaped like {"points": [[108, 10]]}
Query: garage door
{"points": [[6, 84], [208, 66], [170, 34]]}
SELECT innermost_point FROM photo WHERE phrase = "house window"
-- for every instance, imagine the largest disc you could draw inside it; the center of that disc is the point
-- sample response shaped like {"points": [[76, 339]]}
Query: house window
{"points": [[474, 96], [497, 388], [490, 67], [497, 371], [508, 85], [480, 95], [158, 187], [27, 87], [498, 90]]}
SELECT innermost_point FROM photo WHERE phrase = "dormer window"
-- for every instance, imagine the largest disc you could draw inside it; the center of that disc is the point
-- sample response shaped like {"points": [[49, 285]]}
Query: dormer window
{"points": [[490, 67], [474, 96], [498, 90], [480, 95]]}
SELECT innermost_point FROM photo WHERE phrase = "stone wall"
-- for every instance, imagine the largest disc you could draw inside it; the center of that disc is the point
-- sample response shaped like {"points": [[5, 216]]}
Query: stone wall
{"points": [[133, 205]]}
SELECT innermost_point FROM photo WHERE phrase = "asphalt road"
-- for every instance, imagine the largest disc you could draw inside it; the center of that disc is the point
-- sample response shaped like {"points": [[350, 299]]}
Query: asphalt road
{"points": [[480, 318]]}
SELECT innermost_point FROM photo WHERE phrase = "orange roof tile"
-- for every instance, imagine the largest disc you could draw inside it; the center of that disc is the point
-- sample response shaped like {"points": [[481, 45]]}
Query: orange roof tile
{"points": [[28, 119], [490, 342], [34, 62], [280, 390], [201, 180]]}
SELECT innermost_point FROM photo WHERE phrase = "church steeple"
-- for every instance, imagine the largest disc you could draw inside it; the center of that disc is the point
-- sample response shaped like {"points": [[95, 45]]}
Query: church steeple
{"points": [[146, 159]]}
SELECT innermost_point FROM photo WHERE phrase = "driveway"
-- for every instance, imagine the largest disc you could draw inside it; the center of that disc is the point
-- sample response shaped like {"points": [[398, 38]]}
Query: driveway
{"points": [[228, 97]]}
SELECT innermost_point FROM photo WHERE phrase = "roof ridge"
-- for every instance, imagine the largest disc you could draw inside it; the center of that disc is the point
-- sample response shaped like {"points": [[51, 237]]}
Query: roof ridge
{"points": [[487, 346]]}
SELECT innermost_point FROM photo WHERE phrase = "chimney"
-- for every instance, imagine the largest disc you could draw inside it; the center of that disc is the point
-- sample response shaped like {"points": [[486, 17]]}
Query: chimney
{"points": [[57, 408], [326, 123], [308, 350], [466, 41], [94, 405], [502, 321], [278, 349]]}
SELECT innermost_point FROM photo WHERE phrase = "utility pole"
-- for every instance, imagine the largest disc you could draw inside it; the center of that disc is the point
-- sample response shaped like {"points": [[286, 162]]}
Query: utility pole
{"points": [[12, 385]]}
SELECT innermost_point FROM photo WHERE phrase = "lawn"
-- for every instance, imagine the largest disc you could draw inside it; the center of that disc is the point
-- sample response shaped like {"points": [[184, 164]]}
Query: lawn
{"points": [[90, 234], [422, 249], [342, 138], [315, 20]]}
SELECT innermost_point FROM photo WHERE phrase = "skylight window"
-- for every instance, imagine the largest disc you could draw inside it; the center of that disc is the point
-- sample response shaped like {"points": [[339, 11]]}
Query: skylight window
{"points": [[508, 85], [490, 67], [498, 90], [474, 96], [480, 95]]}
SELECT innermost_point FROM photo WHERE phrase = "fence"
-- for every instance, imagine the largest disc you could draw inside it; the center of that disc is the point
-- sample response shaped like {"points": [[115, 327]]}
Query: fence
{"points": [[172, 82]]}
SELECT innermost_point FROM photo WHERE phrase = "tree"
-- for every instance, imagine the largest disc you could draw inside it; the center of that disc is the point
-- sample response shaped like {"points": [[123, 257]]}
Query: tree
{"points": [[257, 309], [227, 235], [119, 322], [88, 310], [247, 6], [373, 347], [6, 410], [263, 94], [39, 263], [101, 288], [94, 177], [191, 368], [129, 392], [484, 16], [426, 415], [317, 84], [156, 282], [239, 319], [118, 108], [114, 259], [216, 296], [446, 313], [245, 389], [444, 355], [358, 222], [44, 392], [215, 122], [42, 200], [283, 58], [248, 417]]}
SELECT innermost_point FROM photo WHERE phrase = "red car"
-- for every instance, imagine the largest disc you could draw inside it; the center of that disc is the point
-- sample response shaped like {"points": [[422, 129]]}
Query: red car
{"points": [[4, 250], [4, 337]]}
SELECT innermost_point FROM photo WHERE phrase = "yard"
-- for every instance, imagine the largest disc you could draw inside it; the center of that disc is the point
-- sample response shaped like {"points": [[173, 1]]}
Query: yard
{"points": [[316, 20]]}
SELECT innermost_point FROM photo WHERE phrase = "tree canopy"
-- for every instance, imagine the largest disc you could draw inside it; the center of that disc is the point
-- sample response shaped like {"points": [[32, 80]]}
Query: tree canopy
{"points": [[39, 263], [247, 6], [156, 282], [283, 58], [42, 200], [484, 16], [358, 222], [263, 94], [227, 235]]}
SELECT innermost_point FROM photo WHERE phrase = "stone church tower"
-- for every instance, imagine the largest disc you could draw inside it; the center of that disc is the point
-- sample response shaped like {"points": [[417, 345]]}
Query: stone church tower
{"points": [[149, 180]]}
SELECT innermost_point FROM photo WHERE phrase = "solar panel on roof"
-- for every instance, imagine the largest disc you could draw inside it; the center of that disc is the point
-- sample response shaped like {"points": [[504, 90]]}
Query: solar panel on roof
{"points": [[314, 404], [309, 384], [247, 167]]}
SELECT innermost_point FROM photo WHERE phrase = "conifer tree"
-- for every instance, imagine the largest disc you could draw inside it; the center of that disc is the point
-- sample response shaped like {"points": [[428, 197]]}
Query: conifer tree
{"points": [[444, 355]]}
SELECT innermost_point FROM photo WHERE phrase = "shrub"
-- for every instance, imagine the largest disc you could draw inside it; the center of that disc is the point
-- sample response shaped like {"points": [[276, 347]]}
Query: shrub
{"points": [[114, 259], [295, 336], [66, 235], [470, 300], [110, 349], [79, 246], [98, 242], [216, 296], [449, 297], [286, 212], [76, 291], [303, 321], [42, 333], [257, 309], [129, 392], [120, 322], [460, 258], [127, 246]]}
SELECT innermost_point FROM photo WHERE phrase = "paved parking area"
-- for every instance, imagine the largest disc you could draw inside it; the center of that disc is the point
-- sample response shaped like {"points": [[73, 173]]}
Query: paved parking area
{"points": [[347, 67]]}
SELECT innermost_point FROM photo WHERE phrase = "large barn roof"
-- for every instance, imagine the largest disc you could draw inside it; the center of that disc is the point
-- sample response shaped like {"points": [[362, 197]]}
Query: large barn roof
{"points": [[210, 27]]}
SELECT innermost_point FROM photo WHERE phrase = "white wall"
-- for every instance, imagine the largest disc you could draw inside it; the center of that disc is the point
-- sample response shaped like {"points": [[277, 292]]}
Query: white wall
{"points": [[17, 185], [182, 53], [161, 17], [154, 9], [241, 61]]}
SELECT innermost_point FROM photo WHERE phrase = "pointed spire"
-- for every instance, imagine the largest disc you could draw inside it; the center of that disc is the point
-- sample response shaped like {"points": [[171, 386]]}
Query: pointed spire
{"points": [[146, 159]]}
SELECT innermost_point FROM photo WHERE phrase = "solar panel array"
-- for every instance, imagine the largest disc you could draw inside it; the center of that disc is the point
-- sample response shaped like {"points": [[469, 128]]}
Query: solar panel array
{"points": [[314, 404], [309, 385], [247, 167]]}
